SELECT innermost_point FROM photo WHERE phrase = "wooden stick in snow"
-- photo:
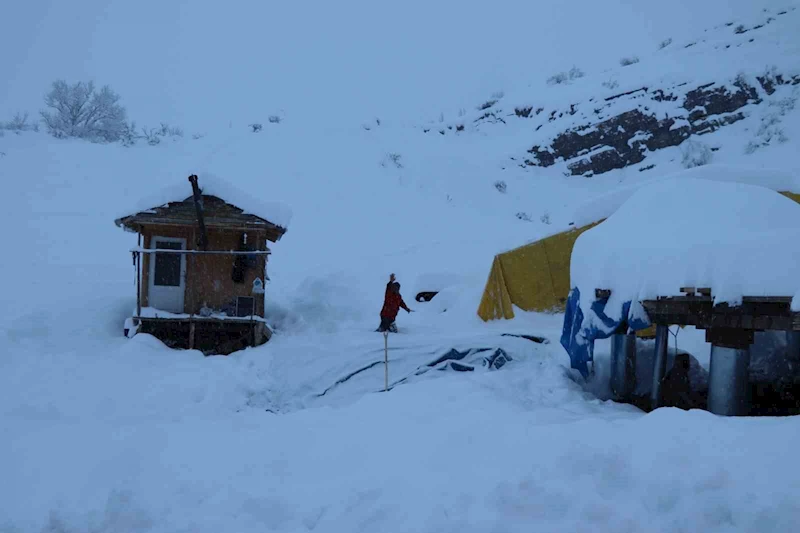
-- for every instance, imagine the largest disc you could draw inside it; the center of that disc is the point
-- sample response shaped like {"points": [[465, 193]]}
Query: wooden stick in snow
{"points": [[385, 361]]}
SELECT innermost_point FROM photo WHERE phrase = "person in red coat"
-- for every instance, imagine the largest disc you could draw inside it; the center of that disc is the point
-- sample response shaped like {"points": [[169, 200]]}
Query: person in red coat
{"points": [[392, 302]]}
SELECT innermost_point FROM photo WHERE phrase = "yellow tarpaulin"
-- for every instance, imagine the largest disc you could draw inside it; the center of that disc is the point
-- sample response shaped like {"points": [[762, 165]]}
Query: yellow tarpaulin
{"points": [[534, 277]]}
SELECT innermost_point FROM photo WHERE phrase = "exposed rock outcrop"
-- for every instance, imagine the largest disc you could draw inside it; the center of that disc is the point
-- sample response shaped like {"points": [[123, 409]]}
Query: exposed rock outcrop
{"points": [[626, 138]]}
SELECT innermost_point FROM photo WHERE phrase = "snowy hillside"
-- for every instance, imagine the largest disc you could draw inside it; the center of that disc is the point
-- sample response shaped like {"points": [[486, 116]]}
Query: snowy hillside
{"points": [[391, 161]]}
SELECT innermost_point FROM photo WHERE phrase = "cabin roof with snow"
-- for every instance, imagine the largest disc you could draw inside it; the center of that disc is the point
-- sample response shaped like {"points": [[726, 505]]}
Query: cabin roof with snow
{"points": [[223, 206]]}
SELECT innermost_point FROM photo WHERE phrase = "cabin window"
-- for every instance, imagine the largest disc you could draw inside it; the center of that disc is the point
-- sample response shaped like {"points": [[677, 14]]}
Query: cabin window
{"points": [[245, 306], [168, 266]]}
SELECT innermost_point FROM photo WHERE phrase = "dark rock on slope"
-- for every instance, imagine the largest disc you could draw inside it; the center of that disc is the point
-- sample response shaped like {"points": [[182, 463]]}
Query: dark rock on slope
{"points": [[626, 138]]}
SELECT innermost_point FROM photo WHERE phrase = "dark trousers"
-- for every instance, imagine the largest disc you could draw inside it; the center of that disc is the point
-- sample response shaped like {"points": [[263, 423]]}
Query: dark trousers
{"points": [[387, 324]]}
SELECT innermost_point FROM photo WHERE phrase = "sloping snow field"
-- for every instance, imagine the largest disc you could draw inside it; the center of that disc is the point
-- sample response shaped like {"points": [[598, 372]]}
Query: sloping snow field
{"points": [[99, 433]]}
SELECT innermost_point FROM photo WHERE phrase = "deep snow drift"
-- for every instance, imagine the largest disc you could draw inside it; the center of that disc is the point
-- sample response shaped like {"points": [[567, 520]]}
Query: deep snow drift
{"points": [[138, 438], [102, 433], [737, 239]]}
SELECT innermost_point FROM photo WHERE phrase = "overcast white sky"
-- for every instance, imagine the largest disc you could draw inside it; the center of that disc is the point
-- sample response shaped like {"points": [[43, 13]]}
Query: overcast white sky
{"points": [[205, 63]]}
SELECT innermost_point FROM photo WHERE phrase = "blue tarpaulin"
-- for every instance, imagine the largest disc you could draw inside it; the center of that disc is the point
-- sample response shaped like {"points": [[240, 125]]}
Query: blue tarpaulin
{"points": [[579, 333]]}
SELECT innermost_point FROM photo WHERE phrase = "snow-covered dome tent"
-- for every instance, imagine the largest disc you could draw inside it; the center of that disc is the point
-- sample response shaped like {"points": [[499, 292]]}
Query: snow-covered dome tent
{"points": [[737, 241]]}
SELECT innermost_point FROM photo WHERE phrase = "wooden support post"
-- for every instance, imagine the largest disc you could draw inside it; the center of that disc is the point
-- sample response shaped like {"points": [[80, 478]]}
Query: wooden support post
{"points": [[602, 294], [137, 259], [191, 334], [191, 275], [385, 361]]}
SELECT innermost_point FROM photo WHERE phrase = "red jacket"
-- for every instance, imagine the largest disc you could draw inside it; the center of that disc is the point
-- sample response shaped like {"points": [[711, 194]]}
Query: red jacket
{"points": [[392, 302]]}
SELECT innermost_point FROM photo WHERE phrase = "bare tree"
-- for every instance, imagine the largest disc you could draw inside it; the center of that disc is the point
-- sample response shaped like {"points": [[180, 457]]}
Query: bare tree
{"points": [[19, 123], [79, 110]]}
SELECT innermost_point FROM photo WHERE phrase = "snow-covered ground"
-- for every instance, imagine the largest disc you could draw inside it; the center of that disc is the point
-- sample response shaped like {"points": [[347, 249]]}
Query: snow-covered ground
{"points": [[102, 433], [129, 436]]}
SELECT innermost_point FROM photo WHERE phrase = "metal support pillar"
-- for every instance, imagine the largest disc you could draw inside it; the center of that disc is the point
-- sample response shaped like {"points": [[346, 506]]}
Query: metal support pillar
{"points": [[793, 345], [623, 365], [659, 363], [728, 381]]}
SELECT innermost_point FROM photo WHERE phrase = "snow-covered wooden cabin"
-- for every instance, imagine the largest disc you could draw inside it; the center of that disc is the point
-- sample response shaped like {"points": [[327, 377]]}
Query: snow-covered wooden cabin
{"points": [[201, 265]]}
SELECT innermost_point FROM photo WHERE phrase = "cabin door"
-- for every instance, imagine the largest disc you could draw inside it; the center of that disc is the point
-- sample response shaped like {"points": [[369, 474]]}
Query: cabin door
{"points": [[167, 284]]}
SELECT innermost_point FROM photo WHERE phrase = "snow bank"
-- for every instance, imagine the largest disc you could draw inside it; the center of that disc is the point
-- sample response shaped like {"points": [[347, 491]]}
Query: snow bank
{"points": [[435, 281], [602, 206], [152, 312], [210, 184], [736, 238]]}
